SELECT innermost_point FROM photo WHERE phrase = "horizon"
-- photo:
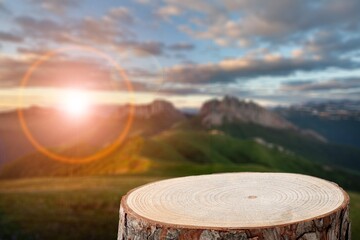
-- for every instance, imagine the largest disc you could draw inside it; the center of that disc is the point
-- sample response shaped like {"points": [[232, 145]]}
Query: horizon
{"points": [[52, 98]]}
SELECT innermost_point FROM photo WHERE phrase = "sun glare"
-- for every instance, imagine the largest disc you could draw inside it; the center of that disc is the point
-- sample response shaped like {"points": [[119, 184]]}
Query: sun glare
{"points": [[76, 103]]}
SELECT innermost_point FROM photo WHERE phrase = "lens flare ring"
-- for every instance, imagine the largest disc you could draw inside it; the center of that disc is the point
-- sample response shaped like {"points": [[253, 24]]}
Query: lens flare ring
{"points": [[101, 153]]}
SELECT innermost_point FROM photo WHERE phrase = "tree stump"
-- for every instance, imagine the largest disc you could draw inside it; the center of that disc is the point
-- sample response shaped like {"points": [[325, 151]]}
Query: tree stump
{"points": [[236, 206]]}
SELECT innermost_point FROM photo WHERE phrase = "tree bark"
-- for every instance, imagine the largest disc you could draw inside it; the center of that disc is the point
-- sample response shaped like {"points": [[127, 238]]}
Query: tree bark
{"points": [[332, 224]]}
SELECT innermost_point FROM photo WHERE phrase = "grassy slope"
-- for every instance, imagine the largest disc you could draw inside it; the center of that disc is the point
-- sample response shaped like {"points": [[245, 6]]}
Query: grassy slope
{"points": [[63, 208], [355, 214], [125, 160], [178, 152], [314, 150], [337, 131], [77, 208], [200, 148]]}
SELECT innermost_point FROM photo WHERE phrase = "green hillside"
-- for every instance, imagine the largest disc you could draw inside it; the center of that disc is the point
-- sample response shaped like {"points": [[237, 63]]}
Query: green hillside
{"points": [[341, 131], [203, 150], [176, 152], [327, 153], [126, 160], [71, 208]]}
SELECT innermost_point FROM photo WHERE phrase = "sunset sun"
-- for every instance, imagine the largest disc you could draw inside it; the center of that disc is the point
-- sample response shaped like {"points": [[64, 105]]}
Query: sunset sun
{"points": [[75, 103]]}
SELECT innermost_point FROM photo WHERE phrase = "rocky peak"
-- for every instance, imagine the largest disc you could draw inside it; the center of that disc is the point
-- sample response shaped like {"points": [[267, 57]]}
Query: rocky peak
{"points": [[230, 109], [155, 108]]}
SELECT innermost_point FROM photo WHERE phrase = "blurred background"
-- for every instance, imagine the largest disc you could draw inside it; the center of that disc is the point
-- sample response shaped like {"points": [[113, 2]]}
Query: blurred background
{"points": [[98, 97]]}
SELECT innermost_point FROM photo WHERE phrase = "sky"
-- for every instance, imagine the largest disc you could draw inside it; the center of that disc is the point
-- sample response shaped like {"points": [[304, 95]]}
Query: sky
{"points": [[275, 52]]}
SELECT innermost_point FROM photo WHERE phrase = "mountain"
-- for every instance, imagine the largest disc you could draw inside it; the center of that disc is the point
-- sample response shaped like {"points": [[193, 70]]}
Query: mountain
{"points": [[338, 121], [226, 135], [155, 108], [329, 110], [152, 118], [232, 110], [247, 120], [52, 128]]}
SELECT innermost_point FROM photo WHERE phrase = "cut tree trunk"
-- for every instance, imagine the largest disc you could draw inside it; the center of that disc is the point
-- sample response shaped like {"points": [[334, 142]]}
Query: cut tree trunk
{"points": [[236, 206]]}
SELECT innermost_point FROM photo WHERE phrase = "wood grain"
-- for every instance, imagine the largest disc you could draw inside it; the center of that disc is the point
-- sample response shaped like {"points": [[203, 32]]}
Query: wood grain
{"points": [[236, 206]]}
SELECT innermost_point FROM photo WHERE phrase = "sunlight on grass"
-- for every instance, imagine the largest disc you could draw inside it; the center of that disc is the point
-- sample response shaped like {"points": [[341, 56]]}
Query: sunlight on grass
{"points": [[63, 208]]}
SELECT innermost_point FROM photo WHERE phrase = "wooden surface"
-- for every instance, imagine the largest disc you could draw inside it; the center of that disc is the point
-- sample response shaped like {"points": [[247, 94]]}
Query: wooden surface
{"points": [[249, 204]]}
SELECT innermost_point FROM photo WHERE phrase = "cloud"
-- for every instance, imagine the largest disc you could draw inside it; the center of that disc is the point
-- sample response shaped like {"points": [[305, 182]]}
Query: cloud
{"points": [[272, 23], [79, 70], [106, 30], [168, 11], [4, 9], [111, 30], [140, 72], [150, 48], [144, 2], [276, 37], [57, 7], [121, 14], [231, 70], [297, 83], [32, 52], [40, 28], [11, 71], [331, 44], [182, 91], [59, 71], [99, 31], [334, 84], [9, 37], [182, 47], [64, 71]]}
